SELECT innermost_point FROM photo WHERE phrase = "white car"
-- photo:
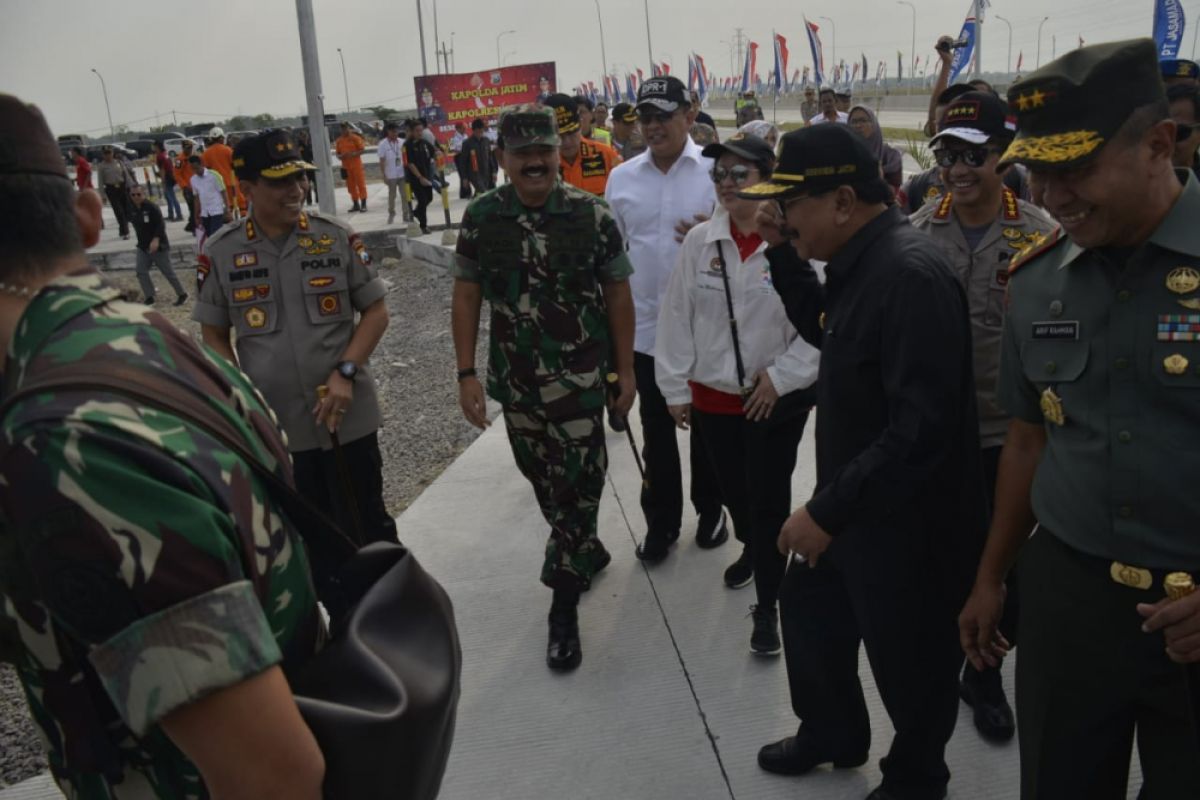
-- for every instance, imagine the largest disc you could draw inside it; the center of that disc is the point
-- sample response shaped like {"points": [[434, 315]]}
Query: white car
{"points": [[174, 146]]}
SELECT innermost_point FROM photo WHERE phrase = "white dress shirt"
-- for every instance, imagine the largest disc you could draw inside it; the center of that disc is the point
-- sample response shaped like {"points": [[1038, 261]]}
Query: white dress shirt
{"points": [[842, 117], [647, 205], [694, 337], [390, 154], [209, 189]]}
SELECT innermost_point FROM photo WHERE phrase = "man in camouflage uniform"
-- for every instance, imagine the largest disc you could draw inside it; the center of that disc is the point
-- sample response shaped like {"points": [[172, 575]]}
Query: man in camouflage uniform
{"points": [[549, 260], [980, 224], [153, 593]]}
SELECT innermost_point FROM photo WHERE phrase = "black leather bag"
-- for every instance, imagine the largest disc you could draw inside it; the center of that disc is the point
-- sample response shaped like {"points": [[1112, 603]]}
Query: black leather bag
{"points": [[381, 696]]}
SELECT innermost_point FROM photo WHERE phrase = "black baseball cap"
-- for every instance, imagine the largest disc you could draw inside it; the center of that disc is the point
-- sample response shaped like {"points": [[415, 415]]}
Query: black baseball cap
{"points": [[816, 159], [666, 93], [566, 112], [977, 118], [270, 154], [1179, 68], [1070, 108], [742, 145], [624, 112]]}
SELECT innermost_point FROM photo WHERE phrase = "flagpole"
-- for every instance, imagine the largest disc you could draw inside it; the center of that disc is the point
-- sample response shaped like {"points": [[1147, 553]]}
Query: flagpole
{"points": [[978, 38], [778, 79]]}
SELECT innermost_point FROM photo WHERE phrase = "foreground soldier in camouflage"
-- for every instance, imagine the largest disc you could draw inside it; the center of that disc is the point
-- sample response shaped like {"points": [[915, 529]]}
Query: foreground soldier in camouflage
{"points": [[549, 260], [153, 595]]}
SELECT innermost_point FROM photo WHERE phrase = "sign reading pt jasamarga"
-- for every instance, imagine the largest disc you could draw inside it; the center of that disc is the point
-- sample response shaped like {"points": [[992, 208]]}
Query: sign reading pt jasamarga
{"points": [[446, 100]]}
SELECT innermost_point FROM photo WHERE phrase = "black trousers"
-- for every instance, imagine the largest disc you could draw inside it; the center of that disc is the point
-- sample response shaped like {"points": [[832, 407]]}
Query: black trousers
{"points": [[875, 586], [1089, 680], [753, 463], [423, 195], [317, 479], [662, 493], [118, 199], [189, 200]]}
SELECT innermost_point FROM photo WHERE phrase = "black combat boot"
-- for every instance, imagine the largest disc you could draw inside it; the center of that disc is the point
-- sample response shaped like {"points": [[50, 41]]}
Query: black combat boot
{"points": [[563, 652]]}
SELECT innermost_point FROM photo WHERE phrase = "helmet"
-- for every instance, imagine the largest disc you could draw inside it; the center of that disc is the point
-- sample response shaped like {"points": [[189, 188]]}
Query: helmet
{"points": [[216, 133]]}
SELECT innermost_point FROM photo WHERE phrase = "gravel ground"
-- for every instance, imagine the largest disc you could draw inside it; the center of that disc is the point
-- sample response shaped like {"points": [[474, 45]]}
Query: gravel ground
{"points": [[423, 432]]}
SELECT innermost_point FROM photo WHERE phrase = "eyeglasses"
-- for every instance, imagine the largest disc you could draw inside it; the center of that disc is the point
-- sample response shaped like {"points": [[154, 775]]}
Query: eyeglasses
{"points": [[740, 174], [1184, 130], [661, 117], [972, 156]]}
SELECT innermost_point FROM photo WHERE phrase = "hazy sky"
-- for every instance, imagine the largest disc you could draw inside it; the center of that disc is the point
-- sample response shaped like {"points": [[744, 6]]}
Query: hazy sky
{"points": [[211, 59]]}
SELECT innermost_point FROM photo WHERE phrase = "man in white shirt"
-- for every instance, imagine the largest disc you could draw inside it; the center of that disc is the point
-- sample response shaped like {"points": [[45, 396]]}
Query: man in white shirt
{"points": [[655, 198], [209, 190], [829, 110], [391, 164]]}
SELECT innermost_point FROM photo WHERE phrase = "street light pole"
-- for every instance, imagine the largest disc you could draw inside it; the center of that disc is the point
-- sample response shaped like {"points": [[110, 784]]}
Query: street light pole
{"points": [[345, 83], [437, 41], [833, 38], [315, 105], [1008, 66], [649, 47], [603, 55], [112, 132], [498, 35], [914, 33], [1039, 47], [452, 65], [421, 31]]}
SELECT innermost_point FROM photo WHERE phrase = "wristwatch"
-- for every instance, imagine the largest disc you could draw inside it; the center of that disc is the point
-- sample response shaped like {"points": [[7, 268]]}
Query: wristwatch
{"points": [[469, 372], [347, 369]]}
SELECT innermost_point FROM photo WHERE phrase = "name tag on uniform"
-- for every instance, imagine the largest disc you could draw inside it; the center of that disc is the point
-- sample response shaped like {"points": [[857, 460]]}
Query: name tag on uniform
{"points": [[1067, 329]]}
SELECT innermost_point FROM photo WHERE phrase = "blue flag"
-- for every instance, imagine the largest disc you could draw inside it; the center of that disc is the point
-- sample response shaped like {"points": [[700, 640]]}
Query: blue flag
{"points": [[962, 55], [1168, 28]]}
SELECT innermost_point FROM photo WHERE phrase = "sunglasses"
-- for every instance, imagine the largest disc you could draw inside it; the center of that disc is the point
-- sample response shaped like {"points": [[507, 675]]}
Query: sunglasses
{"points": [[661, 117], [1184, 130], [740, 174], [974, 157]]}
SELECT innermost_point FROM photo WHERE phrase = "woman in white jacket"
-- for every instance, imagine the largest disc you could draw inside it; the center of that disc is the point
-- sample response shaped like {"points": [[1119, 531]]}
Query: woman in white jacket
{"points": [[748, 396]]}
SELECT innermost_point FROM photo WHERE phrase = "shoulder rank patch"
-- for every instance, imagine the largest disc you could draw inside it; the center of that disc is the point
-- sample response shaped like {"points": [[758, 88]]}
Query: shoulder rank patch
{"points": [[1012, 210], [1038, 244], [943, 211], [303, 223], [251, 235]]}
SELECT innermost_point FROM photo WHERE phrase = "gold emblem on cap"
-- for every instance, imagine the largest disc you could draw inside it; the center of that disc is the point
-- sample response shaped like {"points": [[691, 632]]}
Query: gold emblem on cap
{"points": [[1055, 148], [1133, 577], [1178, 584], [1183, 280], [1035, 99], [1052, 407], [1175, 364]]}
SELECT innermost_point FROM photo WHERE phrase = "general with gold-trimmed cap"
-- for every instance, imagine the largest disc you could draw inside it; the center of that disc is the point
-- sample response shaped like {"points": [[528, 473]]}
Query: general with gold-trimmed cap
{"points": [[1100, 371], [899, 486], [308, 307]]}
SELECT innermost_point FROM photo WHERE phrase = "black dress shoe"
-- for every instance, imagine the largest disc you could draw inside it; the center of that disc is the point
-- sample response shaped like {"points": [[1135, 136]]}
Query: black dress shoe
{"points": [[796, 756], [883, 793], [984, 693], [563, 652], [712, 531], [655, 546]]}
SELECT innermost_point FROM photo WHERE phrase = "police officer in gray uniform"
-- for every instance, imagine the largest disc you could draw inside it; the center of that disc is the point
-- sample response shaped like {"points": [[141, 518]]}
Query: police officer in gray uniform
{"points": [[290, 284], [1100, 370], [980, 224]]}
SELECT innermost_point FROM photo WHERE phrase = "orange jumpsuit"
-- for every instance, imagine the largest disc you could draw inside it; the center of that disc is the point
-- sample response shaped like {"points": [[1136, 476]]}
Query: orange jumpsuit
{"points": [[219, 157], [592, 166], [356, 178]]}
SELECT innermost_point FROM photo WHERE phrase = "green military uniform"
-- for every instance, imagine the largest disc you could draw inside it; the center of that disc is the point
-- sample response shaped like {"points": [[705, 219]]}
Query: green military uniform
{"points": [[142, 565], [542, 271], [1102, 348]]}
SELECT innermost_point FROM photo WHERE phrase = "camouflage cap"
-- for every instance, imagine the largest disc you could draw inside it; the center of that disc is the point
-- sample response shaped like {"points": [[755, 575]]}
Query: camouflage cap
{"points": [[528, 125], [26, 144]]}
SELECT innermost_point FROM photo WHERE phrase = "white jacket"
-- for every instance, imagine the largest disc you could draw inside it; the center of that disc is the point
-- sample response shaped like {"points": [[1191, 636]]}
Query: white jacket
{"points": [[694, 340]]}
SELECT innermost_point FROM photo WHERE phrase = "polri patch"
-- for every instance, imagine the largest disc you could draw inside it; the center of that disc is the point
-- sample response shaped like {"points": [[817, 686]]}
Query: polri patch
{"points": [[1059, 329]]}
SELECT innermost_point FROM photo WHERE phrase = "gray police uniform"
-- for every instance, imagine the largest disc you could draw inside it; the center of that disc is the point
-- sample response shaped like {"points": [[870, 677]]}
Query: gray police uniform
{"points": [[1103, 350], [983, 271], [292, 305]]}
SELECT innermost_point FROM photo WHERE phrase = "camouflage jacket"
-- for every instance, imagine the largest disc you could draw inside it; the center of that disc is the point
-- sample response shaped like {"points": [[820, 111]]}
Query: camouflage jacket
{"points": [[542, 271], [142, 566]]}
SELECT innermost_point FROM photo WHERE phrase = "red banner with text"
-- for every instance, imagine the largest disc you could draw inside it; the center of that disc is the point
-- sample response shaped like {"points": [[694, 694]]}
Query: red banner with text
{"points": [[448, 100]]}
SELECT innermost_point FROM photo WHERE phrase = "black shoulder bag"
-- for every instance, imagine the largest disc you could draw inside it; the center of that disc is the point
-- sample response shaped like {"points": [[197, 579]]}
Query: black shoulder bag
{"points": [[381, 696], [743, 389]]}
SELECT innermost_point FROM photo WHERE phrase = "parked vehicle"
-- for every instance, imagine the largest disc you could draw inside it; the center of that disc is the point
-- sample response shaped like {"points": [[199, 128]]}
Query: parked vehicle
{"points": [[143, 147], [175, 146]]}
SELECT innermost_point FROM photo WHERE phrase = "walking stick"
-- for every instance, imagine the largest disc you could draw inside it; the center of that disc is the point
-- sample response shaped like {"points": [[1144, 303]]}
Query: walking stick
{"points": [[343, 472], [615, 390]]}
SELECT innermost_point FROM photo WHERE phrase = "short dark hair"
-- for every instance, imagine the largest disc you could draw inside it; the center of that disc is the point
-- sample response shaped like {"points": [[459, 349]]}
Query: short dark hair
{"points": [[953, 92], [392, 126], [585, 101], [1184, 91], [1140, 120], [39, 227], [77, 150], [824, 92]]}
